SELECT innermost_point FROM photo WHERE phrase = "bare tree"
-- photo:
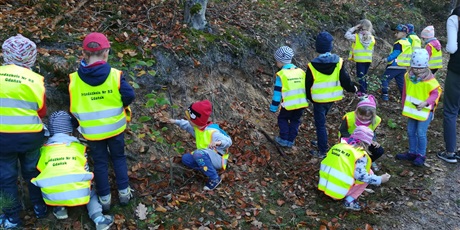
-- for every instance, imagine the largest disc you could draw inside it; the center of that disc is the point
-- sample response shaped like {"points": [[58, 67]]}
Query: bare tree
{"points": [[194, 14]]}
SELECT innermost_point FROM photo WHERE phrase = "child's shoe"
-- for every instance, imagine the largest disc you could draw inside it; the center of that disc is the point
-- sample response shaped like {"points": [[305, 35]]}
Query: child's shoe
{"points": [[282, 142], [125, 196], [290, 144], [105, 201], [419, 160], [375, 167], [317, 153], [385, 97], [103, 222], [7, 223], [406, 156], [354, 205], [40, 210], [447, 157], [212, 184], [60, 213]]}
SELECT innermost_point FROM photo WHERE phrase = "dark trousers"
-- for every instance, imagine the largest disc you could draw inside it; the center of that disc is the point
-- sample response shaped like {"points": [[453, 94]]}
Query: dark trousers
{"points": [[288, 123], [397, 74], [361, 71], [451, 108], [320, 111]]}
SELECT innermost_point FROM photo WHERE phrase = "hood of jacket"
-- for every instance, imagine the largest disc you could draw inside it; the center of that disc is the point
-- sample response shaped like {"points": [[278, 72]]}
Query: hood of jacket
{"points": [[325, 63], [94, 74]]}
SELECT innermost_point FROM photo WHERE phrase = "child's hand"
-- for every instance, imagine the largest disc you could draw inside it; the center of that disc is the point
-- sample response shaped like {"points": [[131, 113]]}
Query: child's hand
{"points": [[213, 145], [422, 105], [375, 144], [385, 177]]}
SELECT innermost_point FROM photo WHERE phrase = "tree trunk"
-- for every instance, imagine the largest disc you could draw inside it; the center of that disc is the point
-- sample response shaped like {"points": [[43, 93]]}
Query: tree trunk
{"points": [[194, 14]]}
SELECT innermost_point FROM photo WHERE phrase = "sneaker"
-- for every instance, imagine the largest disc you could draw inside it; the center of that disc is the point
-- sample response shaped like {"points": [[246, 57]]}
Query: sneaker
{"points": [[457, 156], [105, 202], [354, 205], [60, 213], [290, 144], [281, 142], [375, 167], [7, 223], [447, 157], [125, 197], [317, 153], [103, 222], [40, 210], [406, 156], [419, 160], [212, 184], [385, 97], [314, 143]]}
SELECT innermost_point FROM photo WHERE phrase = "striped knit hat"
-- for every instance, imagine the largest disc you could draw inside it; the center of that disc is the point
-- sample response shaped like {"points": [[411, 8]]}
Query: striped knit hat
{"points": [[284, 54], [60, 122], [20, 51]]}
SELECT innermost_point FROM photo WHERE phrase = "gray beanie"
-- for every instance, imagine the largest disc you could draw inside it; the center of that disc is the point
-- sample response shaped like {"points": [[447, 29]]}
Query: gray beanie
{"points": [[284, 54], [60, 122]]}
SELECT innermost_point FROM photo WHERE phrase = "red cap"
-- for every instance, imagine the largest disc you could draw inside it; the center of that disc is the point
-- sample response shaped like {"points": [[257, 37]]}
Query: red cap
{"points": [[98, 38], [200, 112]]}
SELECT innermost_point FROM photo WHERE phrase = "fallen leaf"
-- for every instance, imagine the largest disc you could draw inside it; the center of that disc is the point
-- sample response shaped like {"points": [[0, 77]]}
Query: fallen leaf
{"points": [[141, 211]]}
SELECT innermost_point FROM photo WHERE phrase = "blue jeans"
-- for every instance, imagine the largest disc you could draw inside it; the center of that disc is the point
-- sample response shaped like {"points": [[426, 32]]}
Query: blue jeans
{"points": [[289, 122], [100, 155], [200, 161], [388, 75], [416, 132], [361, 72], [320, 111], [9, 179], [451, 108]]}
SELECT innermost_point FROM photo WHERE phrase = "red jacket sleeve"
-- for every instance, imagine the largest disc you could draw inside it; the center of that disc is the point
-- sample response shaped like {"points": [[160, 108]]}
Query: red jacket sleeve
{"points": [[42, 112]]}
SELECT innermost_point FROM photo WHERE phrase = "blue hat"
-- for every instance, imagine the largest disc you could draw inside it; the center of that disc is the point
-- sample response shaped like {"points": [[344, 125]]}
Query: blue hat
{"points": [[284, 54], [410, 28], [324, 42], [60, 122], [401, 28]]}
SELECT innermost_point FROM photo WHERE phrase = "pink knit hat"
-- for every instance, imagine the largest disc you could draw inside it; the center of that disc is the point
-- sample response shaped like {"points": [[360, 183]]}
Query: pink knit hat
{"points": [[368, 100], [363, 133], [20, 51], [428, 32]]}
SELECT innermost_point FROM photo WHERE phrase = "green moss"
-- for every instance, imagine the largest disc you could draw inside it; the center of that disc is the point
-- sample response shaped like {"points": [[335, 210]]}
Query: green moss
{"points": [[195, 9]]}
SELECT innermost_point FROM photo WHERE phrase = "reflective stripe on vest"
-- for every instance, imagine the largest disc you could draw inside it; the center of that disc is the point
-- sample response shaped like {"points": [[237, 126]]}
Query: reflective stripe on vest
{"points": [[326, 88], [416, 94], [63, 179], [98, 109], [351, 122], [293, 88], [337, 170], [404, 57], [436, 58], [416, 41], [21, 96], [360, 54], [204, 137]]}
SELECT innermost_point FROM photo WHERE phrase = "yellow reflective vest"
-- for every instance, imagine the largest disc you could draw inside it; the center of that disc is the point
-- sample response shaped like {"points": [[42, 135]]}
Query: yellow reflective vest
{"points": [[351, 121], [404, 57], [436, 58], [360, 54], [416, 42], [204, 137], [63, 178], [98, 109], [418, 93], [21, 95], [336, 175], [293, 88], [326, 88]]}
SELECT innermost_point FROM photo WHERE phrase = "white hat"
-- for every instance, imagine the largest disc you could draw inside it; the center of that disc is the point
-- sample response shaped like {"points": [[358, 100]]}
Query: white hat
{"points": [[419, 58]]}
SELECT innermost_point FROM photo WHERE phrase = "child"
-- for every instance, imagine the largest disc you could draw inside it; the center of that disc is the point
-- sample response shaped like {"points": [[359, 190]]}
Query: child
{"points": [[420, 98], [98, 96], [398, 61], [325, 77], [64, 176], [433, 46], [211, 143], [22, 105], [414, 40], [361, 50], [346, 170], [290, 90], [364, 115]]}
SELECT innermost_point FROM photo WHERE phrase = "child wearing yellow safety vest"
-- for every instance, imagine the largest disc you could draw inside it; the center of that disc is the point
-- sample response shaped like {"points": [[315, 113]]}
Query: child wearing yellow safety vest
{"points": [[211, 143], [420, 98], [346, 170], [64, 178], [414, 40], [99, 95], [397, 61], [364, 115], [361, 51], [289, 92], [433, 46]]}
